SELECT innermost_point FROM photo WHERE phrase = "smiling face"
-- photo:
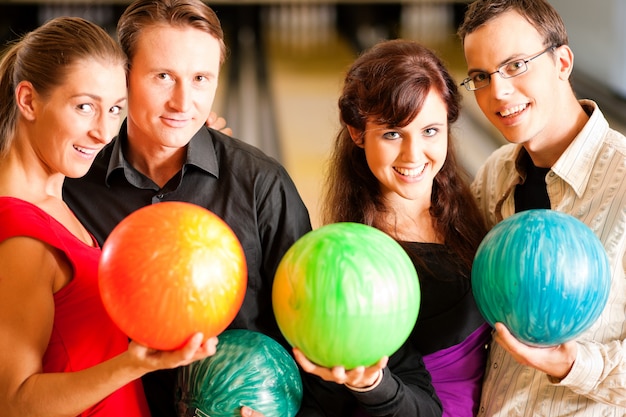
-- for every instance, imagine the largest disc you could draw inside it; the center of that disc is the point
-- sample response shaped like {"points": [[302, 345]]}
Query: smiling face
{"points": [[78, 118], [172, 83], [405, 160], [523, 108]]}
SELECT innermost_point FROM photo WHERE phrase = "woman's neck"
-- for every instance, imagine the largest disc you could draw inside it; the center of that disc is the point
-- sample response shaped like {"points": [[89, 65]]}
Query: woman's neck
{"points": [[419, 227]]}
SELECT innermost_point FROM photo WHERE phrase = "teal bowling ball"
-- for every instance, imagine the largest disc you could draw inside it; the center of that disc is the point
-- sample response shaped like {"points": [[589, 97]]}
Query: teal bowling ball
{"points": [[542, 273], [249, 368]]}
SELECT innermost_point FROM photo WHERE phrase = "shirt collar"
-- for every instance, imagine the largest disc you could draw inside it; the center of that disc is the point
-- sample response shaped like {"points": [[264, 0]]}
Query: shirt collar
{"points": [[576, 163], [200, 153]]}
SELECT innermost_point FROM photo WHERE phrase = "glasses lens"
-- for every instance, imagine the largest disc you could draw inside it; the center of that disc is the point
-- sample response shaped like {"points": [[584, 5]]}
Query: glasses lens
{"points": [[513, 69], [480, 81]]}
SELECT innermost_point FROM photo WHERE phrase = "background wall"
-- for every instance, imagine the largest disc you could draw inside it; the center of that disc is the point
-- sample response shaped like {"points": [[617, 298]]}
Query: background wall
{"points": [[597, 31]]}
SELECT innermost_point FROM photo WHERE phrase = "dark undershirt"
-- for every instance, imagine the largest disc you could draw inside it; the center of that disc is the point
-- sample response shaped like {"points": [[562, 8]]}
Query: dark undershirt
{"points": [[532, 194]]}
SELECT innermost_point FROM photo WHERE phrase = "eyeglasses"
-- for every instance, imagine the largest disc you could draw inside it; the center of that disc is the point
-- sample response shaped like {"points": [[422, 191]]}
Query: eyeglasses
{"points": [[511, 69]]}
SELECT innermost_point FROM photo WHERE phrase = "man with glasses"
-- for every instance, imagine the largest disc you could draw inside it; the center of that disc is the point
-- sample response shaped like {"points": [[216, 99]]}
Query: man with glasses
{"points": [[562, 156]]}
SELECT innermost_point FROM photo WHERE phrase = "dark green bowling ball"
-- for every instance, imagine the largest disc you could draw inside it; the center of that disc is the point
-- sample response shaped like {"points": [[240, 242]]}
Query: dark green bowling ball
{"points": [[248, 369]]}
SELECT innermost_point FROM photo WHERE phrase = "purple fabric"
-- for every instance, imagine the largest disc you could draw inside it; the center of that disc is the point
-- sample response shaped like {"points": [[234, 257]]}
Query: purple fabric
{"points": [[457, 373]]}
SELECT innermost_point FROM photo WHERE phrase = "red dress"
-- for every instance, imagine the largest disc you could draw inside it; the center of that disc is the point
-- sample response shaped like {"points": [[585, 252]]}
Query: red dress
{"points": [[83, 335]]}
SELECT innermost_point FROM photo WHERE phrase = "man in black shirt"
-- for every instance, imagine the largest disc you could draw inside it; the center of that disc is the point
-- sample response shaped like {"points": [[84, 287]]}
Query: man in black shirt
{"points": [[164, 152]]}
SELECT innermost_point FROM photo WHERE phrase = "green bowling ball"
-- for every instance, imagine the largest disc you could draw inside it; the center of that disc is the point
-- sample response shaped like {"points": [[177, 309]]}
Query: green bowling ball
{"points": [[346, 294], [248, 369]]}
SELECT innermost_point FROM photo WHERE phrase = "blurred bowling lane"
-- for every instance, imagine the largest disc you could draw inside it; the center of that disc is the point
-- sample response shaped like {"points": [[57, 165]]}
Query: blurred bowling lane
{"points": [[306, 65], [307, 117]]}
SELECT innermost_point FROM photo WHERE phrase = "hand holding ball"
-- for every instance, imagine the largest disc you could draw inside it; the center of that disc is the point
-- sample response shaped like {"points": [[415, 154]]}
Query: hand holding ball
{"points": [[170, 270], [542, 273]]}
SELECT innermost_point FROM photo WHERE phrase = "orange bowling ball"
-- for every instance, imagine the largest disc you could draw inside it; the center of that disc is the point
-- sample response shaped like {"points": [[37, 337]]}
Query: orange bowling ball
{"points": [[170, 270]]}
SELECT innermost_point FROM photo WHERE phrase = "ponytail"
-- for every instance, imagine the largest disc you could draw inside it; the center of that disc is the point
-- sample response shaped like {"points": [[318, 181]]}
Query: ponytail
{"points": [[8, 107]]}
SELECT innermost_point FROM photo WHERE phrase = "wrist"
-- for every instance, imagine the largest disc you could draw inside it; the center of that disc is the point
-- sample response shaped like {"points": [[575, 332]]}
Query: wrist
{"points": [[376, 383]]}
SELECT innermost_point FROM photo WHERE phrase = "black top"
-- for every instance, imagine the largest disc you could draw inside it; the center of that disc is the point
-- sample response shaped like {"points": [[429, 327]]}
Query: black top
{"points": [[448, 312], [447, 316], [532, 192], [250, 191], [405, 390]]}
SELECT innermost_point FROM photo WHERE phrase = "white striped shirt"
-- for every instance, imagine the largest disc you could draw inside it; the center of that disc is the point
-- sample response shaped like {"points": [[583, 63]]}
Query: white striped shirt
{"points": [[588, 182]]}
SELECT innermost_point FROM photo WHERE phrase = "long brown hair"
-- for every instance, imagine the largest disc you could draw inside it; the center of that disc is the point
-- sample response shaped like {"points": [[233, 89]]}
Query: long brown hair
{"points": [[43, 57], [389, 84]]}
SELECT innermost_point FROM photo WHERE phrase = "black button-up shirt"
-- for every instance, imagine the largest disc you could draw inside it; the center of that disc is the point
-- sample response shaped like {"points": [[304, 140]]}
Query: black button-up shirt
{"points": [[250, 191]]}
